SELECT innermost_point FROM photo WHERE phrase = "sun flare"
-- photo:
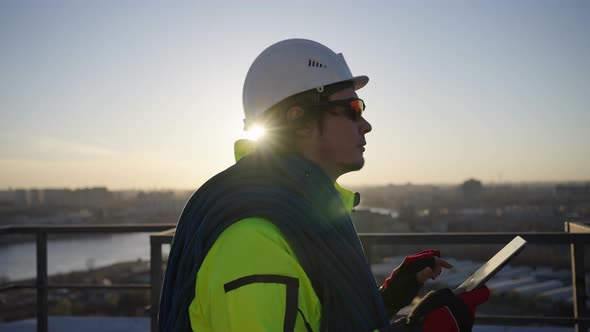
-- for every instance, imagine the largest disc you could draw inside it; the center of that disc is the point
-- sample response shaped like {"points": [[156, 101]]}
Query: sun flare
{"points": [[255, 133]]}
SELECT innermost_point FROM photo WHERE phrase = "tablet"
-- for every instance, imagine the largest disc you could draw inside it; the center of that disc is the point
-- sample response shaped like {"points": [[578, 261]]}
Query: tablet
{"points": [[491, 267]]}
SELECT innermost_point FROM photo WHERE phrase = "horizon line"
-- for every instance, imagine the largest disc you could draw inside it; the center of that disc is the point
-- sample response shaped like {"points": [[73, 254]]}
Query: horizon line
{"points": [[405, 183]]}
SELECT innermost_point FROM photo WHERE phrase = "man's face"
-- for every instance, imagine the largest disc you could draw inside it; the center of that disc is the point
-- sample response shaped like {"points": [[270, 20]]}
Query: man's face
{"points": [[340, 143]]}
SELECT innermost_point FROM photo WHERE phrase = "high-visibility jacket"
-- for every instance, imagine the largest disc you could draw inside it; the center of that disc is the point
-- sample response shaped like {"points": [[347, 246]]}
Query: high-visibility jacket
{"points": [[251, 279]]}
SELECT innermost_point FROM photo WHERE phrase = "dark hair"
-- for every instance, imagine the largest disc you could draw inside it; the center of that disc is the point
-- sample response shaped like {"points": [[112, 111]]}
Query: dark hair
{"points": [[280, 133]]}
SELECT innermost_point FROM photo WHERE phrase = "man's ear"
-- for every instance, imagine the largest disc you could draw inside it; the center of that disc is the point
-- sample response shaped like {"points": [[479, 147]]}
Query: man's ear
{"points": [[295, 113]]}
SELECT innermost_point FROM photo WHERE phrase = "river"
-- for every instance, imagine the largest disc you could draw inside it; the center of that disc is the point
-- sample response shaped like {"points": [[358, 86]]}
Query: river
{"points": [[17, 261]]}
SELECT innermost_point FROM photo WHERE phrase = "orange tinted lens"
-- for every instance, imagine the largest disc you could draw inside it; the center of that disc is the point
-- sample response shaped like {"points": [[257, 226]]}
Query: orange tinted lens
{"points": [[358, 106]]}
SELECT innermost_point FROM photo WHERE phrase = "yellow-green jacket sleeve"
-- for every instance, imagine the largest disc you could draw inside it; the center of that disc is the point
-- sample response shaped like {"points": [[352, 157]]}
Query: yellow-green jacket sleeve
{"points": [[251, 280]]}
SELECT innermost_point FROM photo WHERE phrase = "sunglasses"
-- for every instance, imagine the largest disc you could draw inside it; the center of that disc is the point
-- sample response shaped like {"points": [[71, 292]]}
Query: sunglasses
{"points": [[353, 108]]}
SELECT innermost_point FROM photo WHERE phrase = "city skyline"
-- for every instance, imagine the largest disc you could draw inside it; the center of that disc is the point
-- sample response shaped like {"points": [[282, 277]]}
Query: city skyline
{"points": [[129, 95], [515, 184]]}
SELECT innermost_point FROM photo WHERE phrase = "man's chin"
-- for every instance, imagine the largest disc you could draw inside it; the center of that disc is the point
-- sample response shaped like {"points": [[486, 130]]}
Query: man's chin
{"points": [[356, 166]]}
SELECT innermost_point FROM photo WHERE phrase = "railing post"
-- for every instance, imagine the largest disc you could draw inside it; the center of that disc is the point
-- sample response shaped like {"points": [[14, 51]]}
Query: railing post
{"points": [[42, 307], [578, 281], [155, 280]]}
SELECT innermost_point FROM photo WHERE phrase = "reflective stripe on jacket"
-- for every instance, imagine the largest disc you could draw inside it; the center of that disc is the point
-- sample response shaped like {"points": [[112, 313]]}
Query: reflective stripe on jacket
{"points": [[251, 281]]}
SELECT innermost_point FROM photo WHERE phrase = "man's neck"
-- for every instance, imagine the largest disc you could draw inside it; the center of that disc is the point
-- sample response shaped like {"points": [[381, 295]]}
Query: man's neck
{"points": [[332, 174]]}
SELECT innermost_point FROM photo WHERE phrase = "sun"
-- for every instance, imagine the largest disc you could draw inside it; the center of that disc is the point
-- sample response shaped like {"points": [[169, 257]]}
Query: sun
{"points": [[255, 133]]}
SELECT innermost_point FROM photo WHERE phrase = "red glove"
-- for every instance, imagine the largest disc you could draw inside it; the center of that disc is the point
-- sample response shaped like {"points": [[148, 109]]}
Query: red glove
{"points": [[400, 288], [442, 311]]}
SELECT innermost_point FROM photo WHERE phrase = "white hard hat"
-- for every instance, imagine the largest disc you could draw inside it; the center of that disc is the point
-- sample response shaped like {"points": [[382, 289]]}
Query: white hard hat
{"points": [[289, 67]]}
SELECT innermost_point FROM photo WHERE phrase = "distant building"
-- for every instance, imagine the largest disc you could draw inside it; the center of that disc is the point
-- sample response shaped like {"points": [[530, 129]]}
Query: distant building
{"points": [[160, 202], [92, 197], [472, 190], [20, 198], [572, 193], [87, 197], [35, 198], [6, 199], [56, 197]]}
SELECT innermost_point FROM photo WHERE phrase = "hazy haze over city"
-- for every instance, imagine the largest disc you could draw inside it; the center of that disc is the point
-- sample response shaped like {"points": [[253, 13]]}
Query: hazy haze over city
{"points": [[148, 94]]}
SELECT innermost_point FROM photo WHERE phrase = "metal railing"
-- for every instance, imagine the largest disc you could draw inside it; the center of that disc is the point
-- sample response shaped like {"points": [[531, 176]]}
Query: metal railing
{"points": [[576, 235], [42, 286]]}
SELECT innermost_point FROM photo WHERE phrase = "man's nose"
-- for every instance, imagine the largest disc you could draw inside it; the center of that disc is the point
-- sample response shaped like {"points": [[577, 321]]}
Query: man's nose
{"points": [[364, 126]]}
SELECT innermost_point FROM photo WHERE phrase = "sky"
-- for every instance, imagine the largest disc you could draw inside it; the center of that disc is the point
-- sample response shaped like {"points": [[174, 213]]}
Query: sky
{"points": [[147, 94]]}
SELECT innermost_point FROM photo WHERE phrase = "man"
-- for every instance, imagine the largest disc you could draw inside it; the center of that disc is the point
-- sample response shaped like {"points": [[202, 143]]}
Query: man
{"points": [[268, 244]]}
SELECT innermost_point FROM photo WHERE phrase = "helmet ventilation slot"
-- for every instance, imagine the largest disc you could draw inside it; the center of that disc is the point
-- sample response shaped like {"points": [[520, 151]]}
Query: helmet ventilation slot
{"points": [[313, 63]]}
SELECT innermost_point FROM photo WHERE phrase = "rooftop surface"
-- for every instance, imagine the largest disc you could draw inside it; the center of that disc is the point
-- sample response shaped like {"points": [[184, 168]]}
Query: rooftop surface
{"points": [[142, 324]]}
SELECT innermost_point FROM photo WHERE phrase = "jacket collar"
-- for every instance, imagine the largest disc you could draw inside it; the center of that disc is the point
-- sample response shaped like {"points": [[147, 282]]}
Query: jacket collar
{"points": [[244, 147]]}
